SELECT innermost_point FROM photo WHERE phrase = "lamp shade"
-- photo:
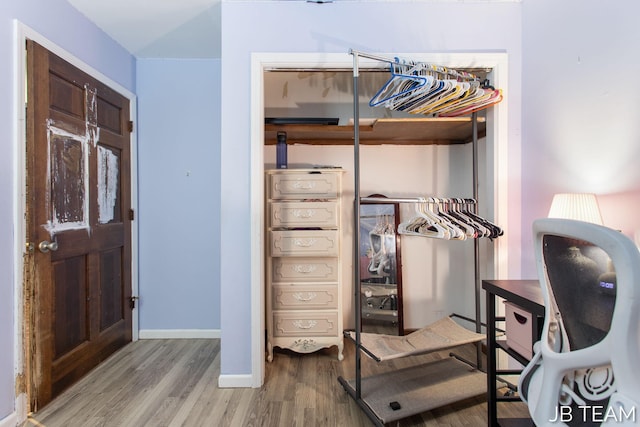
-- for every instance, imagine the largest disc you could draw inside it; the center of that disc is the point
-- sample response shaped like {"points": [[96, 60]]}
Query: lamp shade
{"points": [[578, 206]]}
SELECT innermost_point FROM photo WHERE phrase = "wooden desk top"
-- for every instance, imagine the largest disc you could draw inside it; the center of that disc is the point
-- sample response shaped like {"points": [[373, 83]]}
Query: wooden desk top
{"points": [[524, 293]]}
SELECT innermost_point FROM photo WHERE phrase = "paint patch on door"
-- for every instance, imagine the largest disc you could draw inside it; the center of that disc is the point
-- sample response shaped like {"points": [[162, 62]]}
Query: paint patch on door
{"points": [[68, 177], [108, 167], [91, 121]]}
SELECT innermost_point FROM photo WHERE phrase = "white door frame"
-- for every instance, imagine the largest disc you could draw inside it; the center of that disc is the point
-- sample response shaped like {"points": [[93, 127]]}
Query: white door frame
{"points": [[21, 34], [496, 129]]}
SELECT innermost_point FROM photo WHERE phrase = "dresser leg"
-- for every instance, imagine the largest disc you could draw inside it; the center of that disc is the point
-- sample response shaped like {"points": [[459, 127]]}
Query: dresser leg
{"points": [[269, 352]]}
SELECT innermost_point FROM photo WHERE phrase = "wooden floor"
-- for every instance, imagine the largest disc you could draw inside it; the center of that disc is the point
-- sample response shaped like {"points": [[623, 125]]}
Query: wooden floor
{"points": [[174, 383]]}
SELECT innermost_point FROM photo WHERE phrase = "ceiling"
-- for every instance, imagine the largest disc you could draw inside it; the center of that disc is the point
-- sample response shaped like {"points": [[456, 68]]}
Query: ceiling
{"points": [[158, 28]]}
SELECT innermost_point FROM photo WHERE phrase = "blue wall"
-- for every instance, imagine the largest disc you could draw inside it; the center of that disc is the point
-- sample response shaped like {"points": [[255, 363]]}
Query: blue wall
{"points": [[179, 193], [268, 26], [88, 43]]}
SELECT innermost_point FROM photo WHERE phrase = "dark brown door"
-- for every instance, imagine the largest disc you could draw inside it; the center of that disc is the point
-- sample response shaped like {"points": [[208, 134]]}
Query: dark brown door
{"points": [[78, 271]]}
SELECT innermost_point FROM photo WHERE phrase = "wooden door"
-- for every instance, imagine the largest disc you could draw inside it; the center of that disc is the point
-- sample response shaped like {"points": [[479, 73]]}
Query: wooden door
{"points": [[78, 267]]}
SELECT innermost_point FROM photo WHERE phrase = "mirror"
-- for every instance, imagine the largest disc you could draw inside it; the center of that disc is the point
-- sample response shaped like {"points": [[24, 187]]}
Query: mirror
{"points": [[380, 268]]}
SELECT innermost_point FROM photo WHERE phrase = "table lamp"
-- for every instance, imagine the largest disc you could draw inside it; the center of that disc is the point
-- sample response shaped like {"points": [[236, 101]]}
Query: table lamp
{"points": [[578, 206]]}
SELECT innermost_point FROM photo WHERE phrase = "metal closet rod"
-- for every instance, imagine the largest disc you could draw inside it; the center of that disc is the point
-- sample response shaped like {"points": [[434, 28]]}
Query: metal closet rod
{"points": [[369, 68], [413, 199], [435, 67], [370, 56]]}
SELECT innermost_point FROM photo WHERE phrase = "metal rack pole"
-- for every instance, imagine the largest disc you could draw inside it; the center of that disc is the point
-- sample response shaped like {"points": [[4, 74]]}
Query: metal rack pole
{"points": [[357, 393], [476, 243], [356, 223]]}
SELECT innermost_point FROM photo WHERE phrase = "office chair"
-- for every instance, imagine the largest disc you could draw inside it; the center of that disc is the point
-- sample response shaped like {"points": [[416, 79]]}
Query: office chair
{"points": [[586, 367]]}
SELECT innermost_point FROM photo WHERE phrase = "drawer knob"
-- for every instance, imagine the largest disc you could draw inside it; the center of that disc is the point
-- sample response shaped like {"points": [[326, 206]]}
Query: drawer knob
{"points": [[300, 325], [304, 185], [306, 213], [300, 297], [297, 213], [304, 268], [304, 243]]}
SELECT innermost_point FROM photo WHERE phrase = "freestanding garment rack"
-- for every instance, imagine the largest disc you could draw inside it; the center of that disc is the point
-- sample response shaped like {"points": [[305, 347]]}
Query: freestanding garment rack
{"points": [[401, 393]]}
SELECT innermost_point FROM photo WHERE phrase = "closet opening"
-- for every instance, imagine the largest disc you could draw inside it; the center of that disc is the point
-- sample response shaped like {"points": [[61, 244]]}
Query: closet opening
{"points": [[320, 87]]}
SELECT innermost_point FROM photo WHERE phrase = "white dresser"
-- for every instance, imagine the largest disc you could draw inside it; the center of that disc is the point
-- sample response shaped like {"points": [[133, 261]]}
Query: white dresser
{"points": [[303, 268]]}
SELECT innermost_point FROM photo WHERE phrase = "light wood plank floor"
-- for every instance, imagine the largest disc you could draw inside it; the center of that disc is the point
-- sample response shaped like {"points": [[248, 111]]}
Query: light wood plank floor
{"points": [[174, 383]]}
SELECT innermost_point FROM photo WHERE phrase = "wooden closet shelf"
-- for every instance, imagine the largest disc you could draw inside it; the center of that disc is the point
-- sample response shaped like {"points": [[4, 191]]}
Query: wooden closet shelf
{"points": [[418, 131]]}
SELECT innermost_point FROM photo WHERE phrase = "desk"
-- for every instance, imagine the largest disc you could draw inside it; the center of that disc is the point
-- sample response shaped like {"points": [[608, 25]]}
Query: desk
{"points": [[527, 295]]}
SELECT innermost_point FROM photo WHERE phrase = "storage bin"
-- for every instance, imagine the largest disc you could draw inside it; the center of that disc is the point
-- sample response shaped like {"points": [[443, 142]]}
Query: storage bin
{"points": [[519, 329]]}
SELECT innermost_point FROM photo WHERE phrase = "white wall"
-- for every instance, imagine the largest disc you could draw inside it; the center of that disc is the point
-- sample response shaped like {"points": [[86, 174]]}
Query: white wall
{"points": [[580, 110], [179, 193], [86, 42], [333, 27]]}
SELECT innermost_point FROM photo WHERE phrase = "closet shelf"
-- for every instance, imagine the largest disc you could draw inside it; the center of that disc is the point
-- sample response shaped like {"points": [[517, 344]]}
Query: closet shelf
{"points": [[410, 131]]}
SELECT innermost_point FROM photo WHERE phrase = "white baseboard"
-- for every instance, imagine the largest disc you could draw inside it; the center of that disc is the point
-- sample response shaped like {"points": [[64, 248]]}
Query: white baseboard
{"points": [[10, 420], [235, 381], [19, 415], [155, 334]]}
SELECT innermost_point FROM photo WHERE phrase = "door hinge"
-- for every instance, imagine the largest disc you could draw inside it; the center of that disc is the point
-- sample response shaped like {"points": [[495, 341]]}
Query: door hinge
{"points": [[132, 215], [130, 126], [132, 302]]}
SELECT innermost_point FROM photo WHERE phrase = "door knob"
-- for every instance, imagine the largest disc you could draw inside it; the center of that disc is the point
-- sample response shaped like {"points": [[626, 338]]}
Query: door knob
{"points": [[45, 246]]}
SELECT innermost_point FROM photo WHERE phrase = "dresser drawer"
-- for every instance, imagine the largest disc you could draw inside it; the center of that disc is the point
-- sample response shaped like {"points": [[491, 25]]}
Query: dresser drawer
{"points": [[304, 243], [305, 297], [304, 270], [304, 185], [304, 214], [299, 324]]}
